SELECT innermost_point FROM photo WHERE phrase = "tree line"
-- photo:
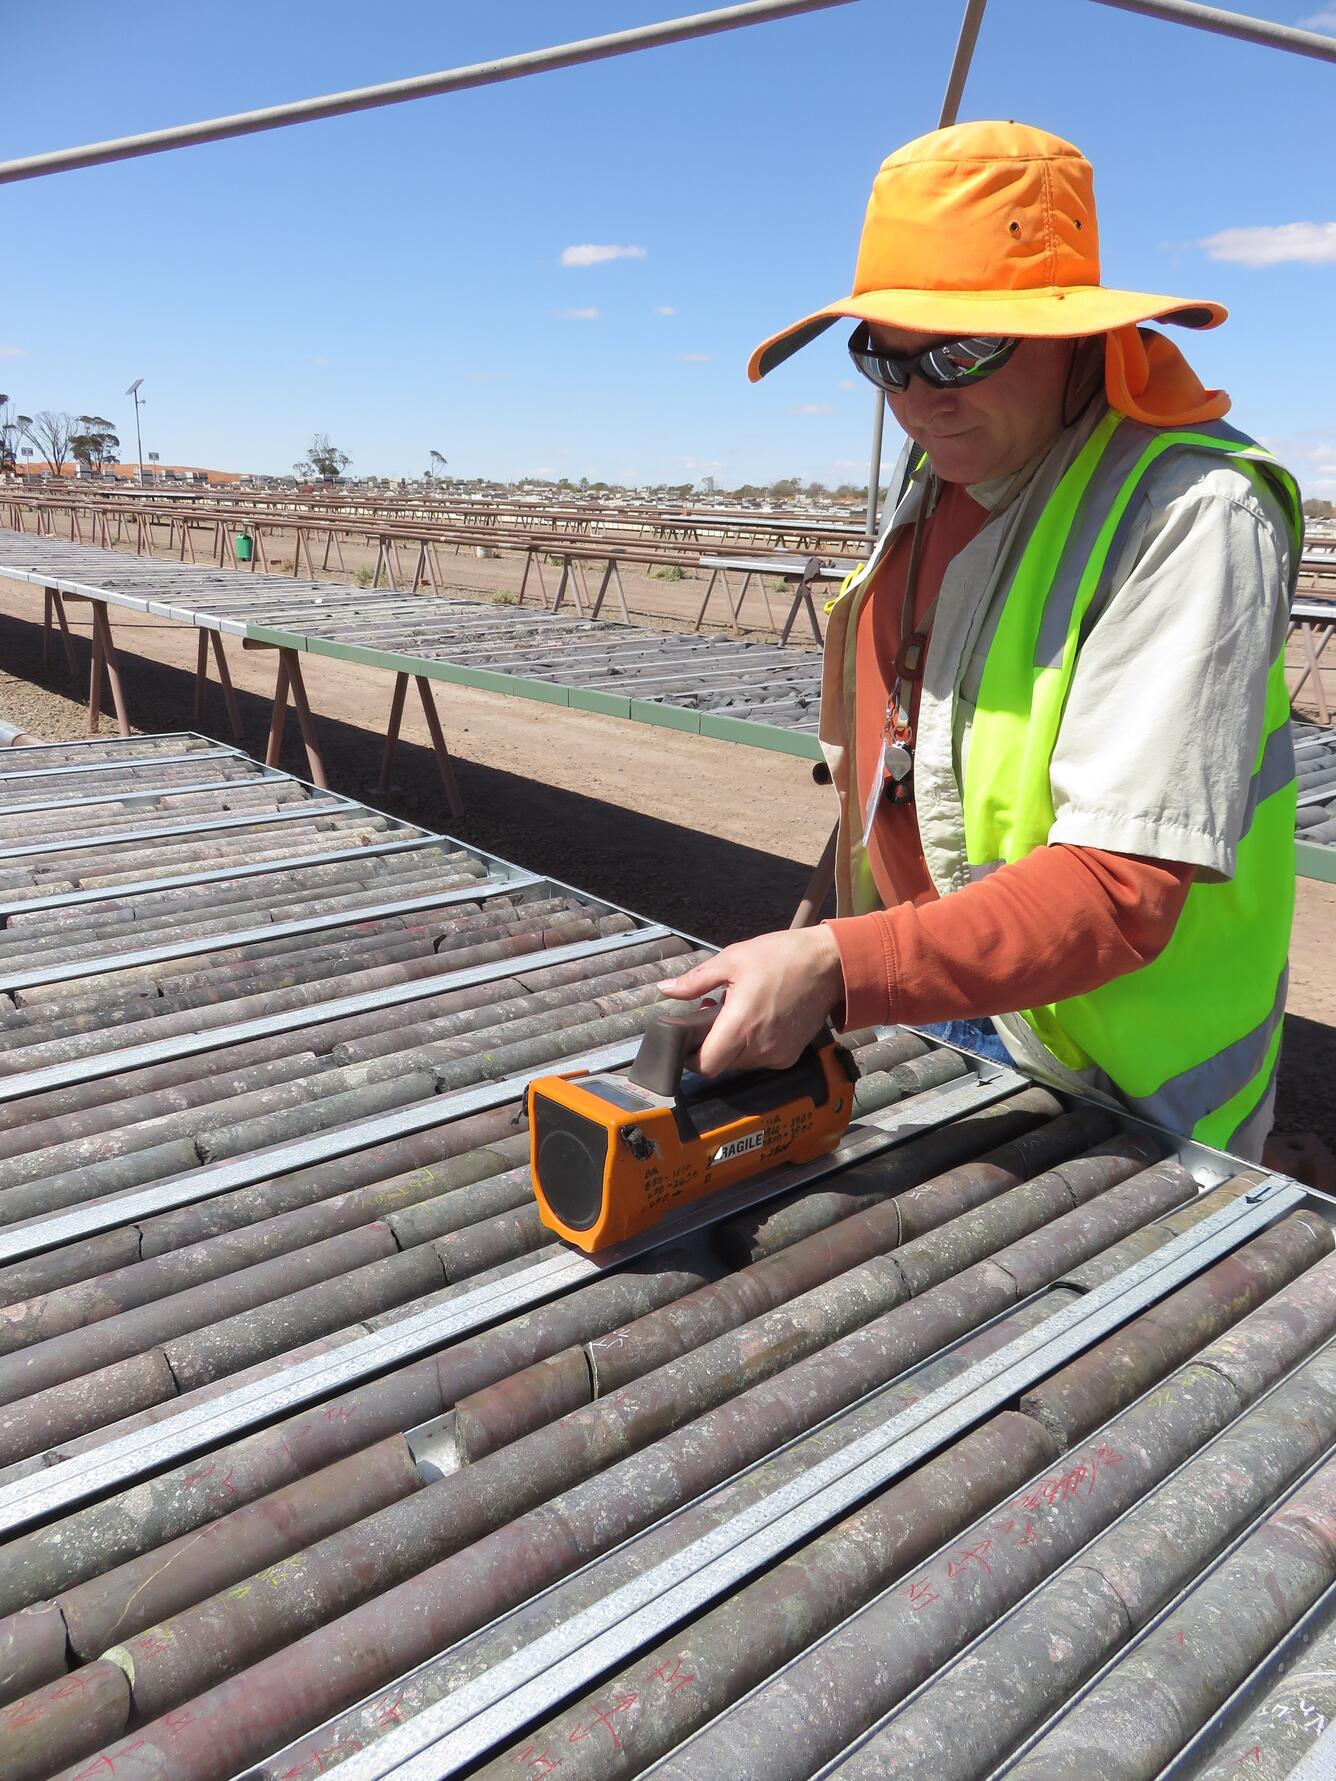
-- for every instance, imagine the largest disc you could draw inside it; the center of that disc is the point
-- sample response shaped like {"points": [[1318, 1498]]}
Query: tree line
{"points": [[59, 438]]}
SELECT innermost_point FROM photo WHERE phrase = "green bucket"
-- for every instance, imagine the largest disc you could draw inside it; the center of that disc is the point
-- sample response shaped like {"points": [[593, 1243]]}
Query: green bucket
{"points": [[244, 545]]}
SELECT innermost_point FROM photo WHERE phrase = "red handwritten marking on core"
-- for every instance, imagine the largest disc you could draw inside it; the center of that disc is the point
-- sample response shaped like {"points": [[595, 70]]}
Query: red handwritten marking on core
{"points": [[1056, 1490], [389, 1712], [922, 1595], [317, 1761], [152, 1645], [19, 1717], [339, 1412], [344, 1747], [978, 1553], [105, 1763], [221, 1488], [532, 1759], [77, 1684], [674, 1679], [624, 1705]]}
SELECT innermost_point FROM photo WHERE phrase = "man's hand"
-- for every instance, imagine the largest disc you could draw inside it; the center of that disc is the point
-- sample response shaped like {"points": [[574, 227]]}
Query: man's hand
{"points": [[780, 989]]}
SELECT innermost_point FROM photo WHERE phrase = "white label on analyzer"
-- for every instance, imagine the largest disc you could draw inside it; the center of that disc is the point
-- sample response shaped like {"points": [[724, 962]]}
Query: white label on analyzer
{"points": [[738, 1147]]}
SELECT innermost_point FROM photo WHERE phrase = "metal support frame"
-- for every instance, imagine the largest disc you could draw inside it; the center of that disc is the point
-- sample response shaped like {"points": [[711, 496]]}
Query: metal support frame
{"points": [[148, 887], [445, 766], [220, 752], [1225, 23], [1186, 1762], [459, 1310], [967, 38], [134, 794], [451, 1734], [232, 819], [313, 1014], [104, 656], [1311, 622], [289, 680], [479, 889], [802, 602], [52, 600], [422, 86], [207, 637]]}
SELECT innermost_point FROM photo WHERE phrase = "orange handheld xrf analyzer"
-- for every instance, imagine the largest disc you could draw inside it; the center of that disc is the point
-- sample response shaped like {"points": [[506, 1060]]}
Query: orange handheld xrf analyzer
{"points": [[612, 1155]]}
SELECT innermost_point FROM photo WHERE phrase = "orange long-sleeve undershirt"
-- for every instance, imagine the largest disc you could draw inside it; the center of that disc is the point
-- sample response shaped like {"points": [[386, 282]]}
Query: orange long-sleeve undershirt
{"points": [[1058, 923]]}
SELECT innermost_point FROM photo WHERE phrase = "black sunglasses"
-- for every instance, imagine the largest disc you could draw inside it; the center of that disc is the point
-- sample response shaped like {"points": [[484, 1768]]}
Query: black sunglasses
{"points": [[945, 367]]}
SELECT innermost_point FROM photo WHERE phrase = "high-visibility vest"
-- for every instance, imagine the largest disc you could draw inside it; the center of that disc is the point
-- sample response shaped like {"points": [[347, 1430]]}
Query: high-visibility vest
{"points": [[1191, 1040]]}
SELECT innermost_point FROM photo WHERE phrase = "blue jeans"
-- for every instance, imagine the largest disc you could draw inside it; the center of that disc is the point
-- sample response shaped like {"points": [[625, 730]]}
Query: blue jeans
{"points": [[979, 1036]]}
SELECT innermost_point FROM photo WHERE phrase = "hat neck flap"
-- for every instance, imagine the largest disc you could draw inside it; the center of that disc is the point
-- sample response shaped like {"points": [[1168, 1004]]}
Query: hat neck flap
{"points": [[1147, 378]]}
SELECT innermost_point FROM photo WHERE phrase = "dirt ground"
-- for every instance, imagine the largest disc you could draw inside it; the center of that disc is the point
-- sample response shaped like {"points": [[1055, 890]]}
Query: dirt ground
{"points": [[712, 837]]}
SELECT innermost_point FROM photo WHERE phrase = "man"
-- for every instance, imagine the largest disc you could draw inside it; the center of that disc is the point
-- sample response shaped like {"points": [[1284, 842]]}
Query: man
{"points": [[1054, 706]]}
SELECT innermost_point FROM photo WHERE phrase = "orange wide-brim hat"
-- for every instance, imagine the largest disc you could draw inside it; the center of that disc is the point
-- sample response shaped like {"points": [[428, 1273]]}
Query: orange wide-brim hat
{"points": [[985, 228]]}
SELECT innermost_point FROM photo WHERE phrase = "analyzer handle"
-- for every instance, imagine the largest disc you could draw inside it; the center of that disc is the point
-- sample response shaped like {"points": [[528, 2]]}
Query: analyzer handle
{"points": [[673, 1033]]}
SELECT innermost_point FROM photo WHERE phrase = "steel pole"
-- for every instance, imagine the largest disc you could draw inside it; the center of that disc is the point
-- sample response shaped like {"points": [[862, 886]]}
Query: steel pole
{"points": [[421, 86], [874, 468], [955, 87], [960, 62], [1232, 24], [139, 443]]}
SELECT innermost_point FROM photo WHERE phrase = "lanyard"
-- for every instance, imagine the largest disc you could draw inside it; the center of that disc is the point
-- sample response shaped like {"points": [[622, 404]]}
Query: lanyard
{"points": [[893, 776]]}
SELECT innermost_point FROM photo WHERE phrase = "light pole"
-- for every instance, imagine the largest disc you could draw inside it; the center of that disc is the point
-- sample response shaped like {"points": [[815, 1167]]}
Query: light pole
{"points": [[134, 391]]}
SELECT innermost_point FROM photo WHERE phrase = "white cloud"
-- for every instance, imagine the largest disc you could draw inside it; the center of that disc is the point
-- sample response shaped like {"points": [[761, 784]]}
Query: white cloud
{"points": [[696, 358], [320, 361], [578, 315], [812, 408], [14, 352], [664, 309], [848, 383], [589, 254], [1312, 459], [1312, 243], [1322, 20]]}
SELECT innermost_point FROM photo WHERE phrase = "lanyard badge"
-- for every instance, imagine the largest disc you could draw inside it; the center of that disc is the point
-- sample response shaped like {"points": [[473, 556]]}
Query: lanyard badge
{"points": [[893, 778]]}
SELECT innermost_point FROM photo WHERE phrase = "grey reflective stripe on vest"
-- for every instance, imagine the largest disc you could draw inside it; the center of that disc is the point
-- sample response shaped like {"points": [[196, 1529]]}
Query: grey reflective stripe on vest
{"points": [[1274, 773], [984, 871], [1185, 1099], [1121, 454]]}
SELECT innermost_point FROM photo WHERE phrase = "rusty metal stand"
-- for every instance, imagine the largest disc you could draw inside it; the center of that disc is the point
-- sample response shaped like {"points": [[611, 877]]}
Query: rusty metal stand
{"points": [[533, 558], [443, 762], [289, 680], [1313, 663], [104, 654], [225, 680], [53, 599], [802, 600], [611, 575]]}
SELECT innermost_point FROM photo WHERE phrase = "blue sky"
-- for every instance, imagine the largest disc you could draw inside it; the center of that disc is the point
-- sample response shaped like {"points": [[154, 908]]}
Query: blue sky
{"points": [[396, 278]]}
